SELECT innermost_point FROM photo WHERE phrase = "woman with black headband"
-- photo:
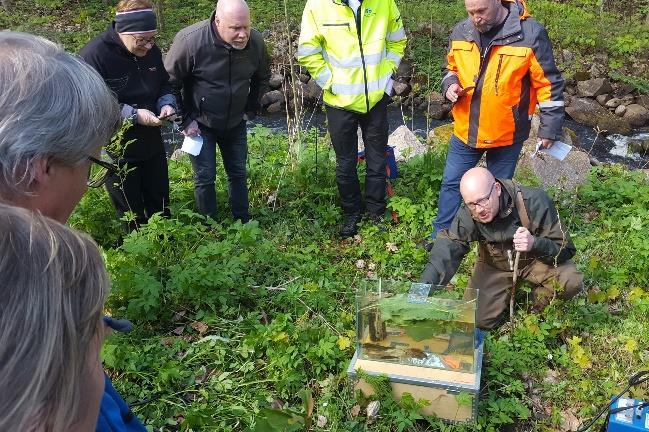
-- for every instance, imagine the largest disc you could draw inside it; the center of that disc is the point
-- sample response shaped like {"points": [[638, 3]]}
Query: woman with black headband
{"points": [[126, 56]]}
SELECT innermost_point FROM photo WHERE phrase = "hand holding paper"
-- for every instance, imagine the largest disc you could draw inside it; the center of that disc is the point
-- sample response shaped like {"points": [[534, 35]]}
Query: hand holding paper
{"points": [[559, 150]]}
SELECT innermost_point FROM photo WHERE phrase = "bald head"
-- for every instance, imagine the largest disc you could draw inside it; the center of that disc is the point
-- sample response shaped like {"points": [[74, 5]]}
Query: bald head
{"points": [[480, 192], [474, 180], [231, 7], [232, 21]]}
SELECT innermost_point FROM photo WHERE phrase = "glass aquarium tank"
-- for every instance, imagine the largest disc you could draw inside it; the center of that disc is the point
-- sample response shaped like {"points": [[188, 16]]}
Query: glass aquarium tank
{"points": [[416, 324]]}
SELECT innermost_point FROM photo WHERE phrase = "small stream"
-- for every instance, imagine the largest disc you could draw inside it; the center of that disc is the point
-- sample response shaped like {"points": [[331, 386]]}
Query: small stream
{"points": [[612, 148]]}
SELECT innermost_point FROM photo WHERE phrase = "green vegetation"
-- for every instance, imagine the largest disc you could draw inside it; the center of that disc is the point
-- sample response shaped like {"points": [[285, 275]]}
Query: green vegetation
{"points": [[239, 327], [251, 327]]}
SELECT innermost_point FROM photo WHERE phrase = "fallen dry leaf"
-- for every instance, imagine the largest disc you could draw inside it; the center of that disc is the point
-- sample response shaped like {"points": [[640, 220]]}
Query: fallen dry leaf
{"points": [[372, 411], [360, 264], [356, 410], [199, 326], [264, 318], [322, 421], [569, 422], [178, 330], [392, 247], [551, 377]]}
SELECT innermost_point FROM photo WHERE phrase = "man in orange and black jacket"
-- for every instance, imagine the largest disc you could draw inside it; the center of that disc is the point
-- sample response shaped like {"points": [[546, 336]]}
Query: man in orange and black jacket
{"points": [[499, 67]]}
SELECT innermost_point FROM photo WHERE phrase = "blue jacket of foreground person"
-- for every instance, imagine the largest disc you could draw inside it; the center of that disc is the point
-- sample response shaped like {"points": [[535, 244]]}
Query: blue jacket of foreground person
{"points": [[114, 413]]}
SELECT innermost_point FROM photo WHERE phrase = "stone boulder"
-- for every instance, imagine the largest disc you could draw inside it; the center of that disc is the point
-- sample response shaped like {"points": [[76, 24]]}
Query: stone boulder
{"points": [[404, 71], [275, 107], [593, 87], [310, 91], [272, 97], [613, 103], [178, 155], [276, 81], [567, 174], [406, 144], [590, 112], [603, 98], [438, 106], [401, 89], [636, 115], [640, 146], [643, 100]]}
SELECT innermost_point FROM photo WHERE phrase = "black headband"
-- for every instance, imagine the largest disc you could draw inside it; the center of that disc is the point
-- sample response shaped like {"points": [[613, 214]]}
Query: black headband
{"points": [[136, 21]]}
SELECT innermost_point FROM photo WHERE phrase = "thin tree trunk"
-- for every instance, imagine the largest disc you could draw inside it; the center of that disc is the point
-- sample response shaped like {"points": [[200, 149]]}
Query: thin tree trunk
{"points": [[159, 11]]}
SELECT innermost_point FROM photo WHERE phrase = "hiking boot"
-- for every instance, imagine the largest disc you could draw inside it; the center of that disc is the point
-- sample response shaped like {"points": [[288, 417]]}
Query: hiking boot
{"points": [[350, 225]]}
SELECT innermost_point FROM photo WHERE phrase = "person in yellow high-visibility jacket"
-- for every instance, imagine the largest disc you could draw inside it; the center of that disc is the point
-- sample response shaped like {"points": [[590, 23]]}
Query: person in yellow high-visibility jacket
{"points": [[352, 48]]}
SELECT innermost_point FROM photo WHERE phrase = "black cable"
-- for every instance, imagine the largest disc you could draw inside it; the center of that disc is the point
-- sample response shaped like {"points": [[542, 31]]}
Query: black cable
{"points": [[634, 380]]}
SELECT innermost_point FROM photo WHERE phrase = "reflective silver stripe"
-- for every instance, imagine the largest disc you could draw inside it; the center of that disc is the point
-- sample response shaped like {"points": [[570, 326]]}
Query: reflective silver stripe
{"points": [[551, 104], [323, 77], [306, 50], [353, 62], [396, 35], [359, 89], [373, 59], [394, 57]]}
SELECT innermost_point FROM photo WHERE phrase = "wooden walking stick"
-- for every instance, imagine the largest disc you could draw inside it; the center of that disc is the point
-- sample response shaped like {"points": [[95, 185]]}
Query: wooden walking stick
{"points": [[514, 278]]}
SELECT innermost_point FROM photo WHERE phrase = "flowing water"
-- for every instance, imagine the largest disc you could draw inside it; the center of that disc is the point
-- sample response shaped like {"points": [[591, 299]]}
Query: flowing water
{"points": [[612, 148]]}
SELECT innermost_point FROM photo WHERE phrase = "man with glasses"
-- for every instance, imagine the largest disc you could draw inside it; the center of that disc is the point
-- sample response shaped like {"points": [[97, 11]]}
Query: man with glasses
{"points": [[507, 220], [126, 56], [499, 68]]}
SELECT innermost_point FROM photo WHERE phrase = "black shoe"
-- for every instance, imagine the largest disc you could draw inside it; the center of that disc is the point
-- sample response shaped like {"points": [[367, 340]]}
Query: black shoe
{"points": [[426, 244], [350, 225], [377, 220]]}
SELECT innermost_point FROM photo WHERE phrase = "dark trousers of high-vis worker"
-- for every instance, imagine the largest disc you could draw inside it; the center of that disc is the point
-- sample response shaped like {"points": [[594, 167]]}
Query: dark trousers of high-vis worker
{"points": [[343, 126], [501, 162], [494, 287]]}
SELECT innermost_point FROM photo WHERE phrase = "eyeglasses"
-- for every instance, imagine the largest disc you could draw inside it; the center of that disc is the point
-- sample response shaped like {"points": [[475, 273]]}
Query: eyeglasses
{"points": [[98, 172], [482, 202], [142, 41]]}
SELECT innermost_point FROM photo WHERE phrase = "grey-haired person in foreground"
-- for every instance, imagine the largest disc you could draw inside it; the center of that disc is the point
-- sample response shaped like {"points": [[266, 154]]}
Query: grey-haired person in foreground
{"points": [[56, 113]]}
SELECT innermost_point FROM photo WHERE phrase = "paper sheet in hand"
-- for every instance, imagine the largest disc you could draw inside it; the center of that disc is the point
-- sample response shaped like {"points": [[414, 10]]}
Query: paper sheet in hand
{"points": [[192, 145], [558, 150]]}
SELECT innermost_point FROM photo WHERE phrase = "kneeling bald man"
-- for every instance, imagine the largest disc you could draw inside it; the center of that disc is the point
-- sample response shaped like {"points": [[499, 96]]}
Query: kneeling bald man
{"points": [[504, 217]]}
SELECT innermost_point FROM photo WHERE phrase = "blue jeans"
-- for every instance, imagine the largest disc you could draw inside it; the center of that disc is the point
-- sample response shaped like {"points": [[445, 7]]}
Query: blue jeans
{"points": [[233, 144], [501, 162]]}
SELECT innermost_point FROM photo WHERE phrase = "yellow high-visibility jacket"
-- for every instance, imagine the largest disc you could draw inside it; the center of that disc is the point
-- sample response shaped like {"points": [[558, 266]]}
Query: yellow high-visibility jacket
{"points": [[351, 57]]}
